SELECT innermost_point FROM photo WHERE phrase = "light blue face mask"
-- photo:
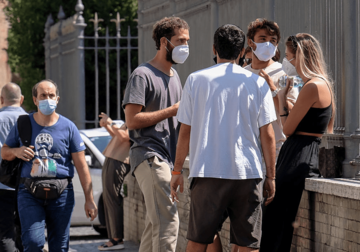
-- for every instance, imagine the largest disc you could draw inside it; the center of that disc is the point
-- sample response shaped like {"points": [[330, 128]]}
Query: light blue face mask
{"points": [[47, 107]]}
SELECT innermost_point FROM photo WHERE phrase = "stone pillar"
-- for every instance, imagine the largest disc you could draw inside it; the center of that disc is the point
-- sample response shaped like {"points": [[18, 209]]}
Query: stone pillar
{"points": [[140, 32], [351, 83], [80, 56]]}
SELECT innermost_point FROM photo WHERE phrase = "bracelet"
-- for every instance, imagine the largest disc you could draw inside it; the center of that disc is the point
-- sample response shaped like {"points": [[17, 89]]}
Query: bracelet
{"points": [[284, 115], [270, 178], [176, 172]]}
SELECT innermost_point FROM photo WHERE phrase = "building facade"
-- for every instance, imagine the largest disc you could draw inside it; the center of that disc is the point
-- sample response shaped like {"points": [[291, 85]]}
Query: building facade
{"points": [[5, 73]]}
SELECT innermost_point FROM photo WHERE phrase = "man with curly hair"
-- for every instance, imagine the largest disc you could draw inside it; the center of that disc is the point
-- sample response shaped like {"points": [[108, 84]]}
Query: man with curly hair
{"points": [[263, 37], [151, 102]]}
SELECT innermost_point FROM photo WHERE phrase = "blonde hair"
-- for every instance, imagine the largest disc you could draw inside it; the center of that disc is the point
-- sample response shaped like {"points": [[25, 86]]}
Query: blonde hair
{"points": [[312, 64]]}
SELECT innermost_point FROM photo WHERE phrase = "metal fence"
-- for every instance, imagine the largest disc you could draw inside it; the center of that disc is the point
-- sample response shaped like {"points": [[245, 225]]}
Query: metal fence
{"points": [[336, 23], [65, 63]]}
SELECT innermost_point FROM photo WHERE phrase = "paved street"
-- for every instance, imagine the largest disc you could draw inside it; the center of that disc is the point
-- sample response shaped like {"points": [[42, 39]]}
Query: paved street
{"points": [[85, 239]]}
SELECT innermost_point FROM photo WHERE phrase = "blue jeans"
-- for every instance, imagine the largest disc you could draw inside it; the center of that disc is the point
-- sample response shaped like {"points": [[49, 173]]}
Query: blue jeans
{"points": [[56, 213]]}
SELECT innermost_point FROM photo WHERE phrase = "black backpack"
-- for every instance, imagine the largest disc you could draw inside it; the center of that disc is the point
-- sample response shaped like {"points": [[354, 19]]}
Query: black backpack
{"points": [[10, 170]]}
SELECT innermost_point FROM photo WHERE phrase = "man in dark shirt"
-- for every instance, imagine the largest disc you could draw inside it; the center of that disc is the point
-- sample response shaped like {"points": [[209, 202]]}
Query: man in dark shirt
{"points": [[151, 101]]}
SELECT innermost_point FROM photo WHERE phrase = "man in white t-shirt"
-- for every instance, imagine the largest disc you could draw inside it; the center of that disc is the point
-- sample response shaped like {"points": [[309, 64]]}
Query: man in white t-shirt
{"points": [[263, 36], [226, 114]]}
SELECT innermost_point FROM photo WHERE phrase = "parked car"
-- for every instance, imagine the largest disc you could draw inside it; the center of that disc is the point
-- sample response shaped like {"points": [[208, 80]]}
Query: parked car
{"points": [[95, 141]]}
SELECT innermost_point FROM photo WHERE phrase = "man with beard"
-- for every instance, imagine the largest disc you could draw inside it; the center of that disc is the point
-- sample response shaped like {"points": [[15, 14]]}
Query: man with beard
{"points": [[151, 102]]}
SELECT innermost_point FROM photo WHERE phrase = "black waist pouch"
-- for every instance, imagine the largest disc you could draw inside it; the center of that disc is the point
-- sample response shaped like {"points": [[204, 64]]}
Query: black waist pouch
{"points": [[45, 188]]}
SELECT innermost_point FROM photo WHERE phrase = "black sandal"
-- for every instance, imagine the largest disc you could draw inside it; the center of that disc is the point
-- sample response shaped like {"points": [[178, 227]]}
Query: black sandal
{"points": [[116, 245]]}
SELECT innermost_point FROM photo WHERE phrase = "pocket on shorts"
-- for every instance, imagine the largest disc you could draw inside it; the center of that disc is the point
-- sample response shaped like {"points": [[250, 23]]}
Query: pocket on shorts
{"points": [[192, 183]]}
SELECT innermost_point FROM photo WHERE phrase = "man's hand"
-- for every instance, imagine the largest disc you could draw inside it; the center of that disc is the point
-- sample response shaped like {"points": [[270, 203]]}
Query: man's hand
{"points": [[269, 190], [105, 119], [176, 180], [268, 79], [175, 108], [91, 210], [25, 153]]}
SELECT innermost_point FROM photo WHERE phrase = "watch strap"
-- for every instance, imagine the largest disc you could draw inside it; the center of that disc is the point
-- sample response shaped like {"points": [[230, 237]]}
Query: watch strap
{"points": [[176, 172]]}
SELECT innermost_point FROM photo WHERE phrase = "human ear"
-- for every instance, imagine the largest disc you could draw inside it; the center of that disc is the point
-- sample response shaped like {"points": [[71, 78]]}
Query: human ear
{"points": [[251, 44], [163, 42]]}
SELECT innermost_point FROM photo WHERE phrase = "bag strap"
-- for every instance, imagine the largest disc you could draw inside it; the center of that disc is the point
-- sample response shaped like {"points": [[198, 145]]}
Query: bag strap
{"points": [[24, 129], [25, 133]]}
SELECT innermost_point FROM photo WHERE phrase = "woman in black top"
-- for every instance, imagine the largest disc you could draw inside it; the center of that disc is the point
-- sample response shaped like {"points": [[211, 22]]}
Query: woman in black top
{"points": [[304, 125]]}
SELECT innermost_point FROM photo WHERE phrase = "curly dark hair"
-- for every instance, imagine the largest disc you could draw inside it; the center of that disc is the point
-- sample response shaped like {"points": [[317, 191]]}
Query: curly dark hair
{"points": [[277, 55], [229, 40], [262, 23], [166, 28]]}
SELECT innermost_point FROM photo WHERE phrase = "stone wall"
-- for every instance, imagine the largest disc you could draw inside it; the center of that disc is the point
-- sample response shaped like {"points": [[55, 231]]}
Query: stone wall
{"points": [[5, 73], [328, 217], [134, 213]]}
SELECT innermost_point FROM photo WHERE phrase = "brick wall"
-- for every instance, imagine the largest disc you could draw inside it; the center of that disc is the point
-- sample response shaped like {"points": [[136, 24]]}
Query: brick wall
{"points": [[5, 74], [328, 217], [329, 222], [134, 213]]}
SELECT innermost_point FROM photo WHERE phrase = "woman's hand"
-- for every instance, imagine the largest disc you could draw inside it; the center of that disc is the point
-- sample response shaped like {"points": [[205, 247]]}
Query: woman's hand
{"points": [[285, 91], [268, 79], [105, 120]]}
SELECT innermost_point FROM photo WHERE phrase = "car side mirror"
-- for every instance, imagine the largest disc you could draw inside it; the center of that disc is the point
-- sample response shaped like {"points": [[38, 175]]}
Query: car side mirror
{"points": [[88, 160]]}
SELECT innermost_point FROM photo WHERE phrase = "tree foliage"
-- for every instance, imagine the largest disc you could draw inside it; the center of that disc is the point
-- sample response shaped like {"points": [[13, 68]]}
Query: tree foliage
{"points": [[26, 50]]}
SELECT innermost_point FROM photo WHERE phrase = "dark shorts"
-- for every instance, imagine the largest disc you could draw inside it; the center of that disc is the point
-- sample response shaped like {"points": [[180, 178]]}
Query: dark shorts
{"points": [[212, 197]]}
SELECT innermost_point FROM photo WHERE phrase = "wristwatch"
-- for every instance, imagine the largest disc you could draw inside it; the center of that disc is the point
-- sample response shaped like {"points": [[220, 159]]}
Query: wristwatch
{"points": [[274, 93]]}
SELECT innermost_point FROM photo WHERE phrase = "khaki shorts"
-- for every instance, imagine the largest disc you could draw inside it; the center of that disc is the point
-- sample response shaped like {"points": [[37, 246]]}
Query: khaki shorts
{"points": [[212, 197]]}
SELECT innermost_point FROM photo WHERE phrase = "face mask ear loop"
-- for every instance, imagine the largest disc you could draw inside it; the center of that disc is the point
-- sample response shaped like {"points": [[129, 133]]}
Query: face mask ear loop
{"points": [[253, 43]]}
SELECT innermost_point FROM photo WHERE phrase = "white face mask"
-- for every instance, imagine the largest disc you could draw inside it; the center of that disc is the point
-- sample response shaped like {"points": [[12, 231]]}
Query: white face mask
{"points": [[264, 51], [179, 53], [288, 68]]}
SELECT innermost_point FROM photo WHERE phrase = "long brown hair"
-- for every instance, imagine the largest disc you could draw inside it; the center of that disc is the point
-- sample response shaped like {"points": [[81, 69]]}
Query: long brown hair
{"points": [[312, 63]]}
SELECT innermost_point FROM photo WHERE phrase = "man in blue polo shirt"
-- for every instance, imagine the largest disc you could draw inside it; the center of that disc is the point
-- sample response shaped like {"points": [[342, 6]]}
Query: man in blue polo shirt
{"points": [[11, 100]]}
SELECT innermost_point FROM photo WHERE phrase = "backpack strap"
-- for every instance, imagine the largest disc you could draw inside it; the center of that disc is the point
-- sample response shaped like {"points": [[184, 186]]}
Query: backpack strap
{"points": [[24, 129]]}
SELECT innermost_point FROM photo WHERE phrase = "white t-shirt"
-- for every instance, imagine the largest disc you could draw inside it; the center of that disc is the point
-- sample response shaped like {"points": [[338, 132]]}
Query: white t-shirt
{"points": [[275, 72], [225, 105]]}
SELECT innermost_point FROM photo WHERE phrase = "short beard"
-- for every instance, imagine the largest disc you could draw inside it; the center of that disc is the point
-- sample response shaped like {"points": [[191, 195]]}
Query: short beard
{"points": [[169, 56]]}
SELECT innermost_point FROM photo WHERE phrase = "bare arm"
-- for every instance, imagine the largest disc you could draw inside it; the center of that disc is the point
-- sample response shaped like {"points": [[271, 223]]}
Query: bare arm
{"points": [[121, 133], [182, 150], [135, 119], [24, 153], [307, 97], [85, 180], [267, 138]]}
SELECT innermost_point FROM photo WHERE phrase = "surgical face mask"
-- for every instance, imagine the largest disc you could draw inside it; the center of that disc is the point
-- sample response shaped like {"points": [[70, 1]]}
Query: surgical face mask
{"points": [[288, 68], [179, 54], [264, 51], [47, 107]]}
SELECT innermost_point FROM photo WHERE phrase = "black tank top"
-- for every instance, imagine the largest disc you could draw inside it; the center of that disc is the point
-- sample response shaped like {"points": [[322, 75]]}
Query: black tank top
{"points": [[316, 120]]}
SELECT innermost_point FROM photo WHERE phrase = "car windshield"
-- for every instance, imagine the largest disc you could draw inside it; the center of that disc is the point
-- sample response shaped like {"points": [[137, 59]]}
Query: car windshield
{"points": [[100, 142]]}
